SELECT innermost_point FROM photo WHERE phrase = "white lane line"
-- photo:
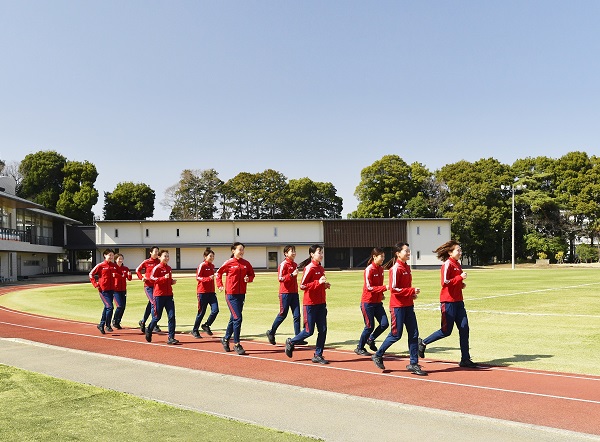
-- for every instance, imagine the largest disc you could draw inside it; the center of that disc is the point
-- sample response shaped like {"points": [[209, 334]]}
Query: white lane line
{"points": [[326, 367], [329, 350]]}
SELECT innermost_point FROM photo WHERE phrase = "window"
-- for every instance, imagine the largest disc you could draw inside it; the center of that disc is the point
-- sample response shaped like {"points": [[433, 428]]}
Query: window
{"points": [[31, 262], [177, 232], [272, 257], [4, 218], [207, 232], [275, 231], [418, 254], [439, 230], [418, 230], [147, 233], [237, 231], [116, 233]]}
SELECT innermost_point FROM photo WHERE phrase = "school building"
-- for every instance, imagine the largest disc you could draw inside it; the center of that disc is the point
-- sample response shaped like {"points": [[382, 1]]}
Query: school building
{"points": [[32, 240], [347, 242]]}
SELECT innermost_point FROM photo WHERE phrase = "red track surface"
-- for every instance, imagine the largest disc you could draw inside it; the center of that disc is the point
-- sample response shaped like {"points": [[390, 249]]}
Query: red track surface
{"points": [[559, 400]]}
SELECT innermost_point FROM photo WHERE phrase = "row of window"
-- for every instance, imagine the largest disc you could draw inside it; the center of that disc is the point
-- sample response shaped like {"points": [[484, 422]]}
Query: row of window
{"points": [[439, 232], [177, 232], [31, 262]]}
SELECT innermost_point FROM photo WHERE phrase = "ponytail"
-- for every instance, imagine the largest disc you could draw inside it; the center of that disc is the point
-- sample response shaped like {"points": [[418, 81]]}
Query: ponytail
{"points": [[443, 251]]}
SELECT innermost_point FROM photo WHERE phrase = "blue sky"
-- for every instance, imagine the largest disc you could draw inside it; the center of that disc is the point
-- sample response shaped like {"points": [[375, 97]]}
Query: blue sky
{"points": [[145, 89]]}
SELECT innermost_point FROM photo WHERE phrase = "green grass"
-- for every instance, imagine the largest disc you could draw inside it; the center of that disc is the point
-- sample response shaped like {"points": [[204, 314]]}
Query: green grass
{"points": [[533, 318], [36, 407]]}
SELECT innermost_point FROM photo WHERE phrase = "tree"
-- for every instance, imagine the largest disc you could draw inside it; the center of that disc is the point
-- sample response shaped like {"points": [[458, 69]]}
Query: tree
{"points": [[308, 199], [537, 245], [42, 178], [268, 195], [241, 196], [129, 201], [11, 169], [272, 193], [387, 186], [480, 212], [586, 252], [195, 195], [578, 193], [79, 194]]}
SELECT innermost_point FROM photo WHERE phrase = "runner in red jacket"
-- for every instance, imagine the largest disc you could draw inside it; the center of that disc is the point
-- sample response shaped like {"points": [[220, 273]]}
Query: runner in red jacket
{"points": [[314, 283], [287, 273], [143, 271], [205, 292], [102, 277], [239, 274], [452, 305], [371, 303], [123, 275], [162, 277], [402, 311]]}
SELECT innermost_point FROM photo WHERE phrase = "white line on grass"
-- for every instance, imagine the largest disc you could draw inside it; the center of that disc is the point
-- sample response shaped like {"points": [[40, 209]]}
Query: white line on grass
{"points": [[437, 307], [325, 367], [562, 315]]}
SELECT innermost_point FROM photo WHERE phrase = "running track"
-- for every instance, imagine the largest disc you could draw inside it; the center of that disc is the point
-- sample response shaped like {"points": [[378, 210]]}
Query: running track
{"points": [[558, 400]]}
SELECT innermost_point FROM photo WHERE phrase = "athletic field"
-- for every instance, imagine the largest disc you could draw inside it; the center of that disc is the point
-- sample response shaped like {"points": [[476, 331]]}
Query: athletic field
{"points": [[532, 318]]}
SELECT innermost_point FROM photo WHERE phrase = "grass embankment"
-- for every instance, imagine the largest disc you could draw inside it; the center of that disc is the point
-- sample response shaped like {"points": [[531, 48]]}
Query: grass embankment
{"points": [[36, 407]]}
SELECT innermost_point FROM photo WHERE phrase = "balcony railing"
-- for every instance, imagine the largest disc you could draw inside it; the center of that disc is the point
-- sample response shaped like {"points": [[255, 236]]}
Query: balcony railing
{"points": [[11, 234], [19, 235]]}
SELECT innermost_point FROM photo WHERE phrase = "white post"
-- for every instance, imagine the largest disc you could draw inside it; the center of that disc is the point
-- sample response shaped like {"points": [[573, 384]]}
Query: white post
{"points": [[513, 226]]}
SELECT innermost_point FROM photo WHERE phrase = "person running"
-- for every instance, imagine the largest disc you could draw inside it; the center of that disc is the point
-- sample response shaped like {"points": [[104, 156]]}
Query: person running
{"points": [[102, 277], [314, 283], [162, 277], [288, 293], [205, 275], [123, 275], [371, 303], [402, 310], [452, 305], [239, 274], [143, 272]]}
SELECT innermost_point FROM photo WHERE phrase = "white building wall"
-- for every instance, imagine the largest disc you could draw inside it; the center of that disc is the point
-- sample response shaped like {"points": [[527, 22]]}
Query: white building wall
{"points": [[259, 236], [192, 257], [30, 263], [424, 236], [206, 233], [133, 257], [279, 232]]}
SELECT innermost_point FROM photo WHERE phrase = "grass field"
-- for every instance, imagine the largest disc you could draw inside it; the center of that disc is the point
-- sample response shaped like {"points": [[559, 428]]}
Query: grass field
{"points": [[533, 318], [36, 407]]}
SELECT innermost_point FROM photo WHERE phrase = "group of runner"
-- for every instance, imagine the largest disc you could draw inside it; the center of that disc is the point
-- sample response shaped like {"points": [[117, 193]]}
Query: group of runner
{"points": [[110, 277]]}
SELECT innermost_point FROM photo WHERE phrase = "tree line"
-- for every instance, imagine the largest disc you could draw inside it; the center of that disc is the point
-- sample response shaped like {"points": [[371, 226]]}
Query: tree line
{"points": [[557, 201], [200, 194]]}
